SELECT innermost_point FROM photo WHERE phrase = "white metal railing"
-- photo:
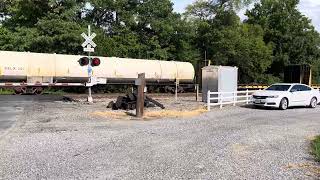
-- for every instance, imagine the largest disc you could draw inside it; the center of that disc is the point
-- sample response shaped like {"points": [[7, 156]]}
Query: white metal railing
{"points": [[224, 98]]}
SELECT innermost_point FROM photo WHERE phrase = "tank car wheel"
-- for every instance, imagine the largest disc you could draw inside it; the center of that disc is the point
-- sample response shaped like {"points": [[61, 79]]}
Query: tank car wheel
{"points": [[180, 89], [17, 92], [39, 91], [20, 90]]}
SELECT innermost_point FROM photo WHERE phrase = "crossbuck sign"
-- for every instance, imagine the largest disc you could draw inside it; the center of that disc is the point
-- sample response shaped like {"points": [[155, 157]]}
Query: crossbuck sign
{"points": [[88, 45]]}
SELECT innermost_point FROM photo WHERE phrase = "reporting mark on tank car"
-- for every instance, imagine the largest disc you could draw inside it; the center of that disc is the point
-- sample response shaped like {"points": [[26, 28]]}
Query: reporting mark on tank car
{"points": [[14, 68]]}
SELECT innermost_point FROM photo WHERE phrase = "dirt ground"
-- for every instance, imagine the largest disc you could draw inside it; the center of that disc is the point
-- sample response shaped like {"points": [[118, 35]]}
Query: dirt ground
{"points": [[185, 106]]}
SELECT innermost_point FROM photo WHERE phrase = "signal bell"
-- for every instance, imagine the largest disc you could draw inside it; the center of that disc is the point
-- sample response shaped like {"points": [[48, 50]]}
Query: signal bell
{"points": [[84, 61]]}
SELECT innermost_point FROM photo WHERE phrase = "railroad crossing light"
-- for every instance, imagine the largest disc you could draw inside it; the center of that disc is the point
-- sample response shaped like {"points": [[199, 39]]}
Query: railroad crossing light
{"points": [[95, 62], [84, 61]]}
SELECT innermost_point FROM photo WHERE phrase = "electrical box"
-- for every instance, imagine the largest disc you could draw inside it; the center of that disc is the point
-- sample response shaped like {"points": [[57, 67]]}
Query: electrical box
{"points": [[219, 79]]}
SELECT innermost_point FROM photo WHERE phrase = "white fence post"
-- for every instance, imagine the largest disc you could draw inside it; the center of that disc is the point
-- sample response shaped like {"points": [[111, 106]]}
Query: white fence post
{"points": [[208, 100], [235, 98], [247, 96], [221, 100]]}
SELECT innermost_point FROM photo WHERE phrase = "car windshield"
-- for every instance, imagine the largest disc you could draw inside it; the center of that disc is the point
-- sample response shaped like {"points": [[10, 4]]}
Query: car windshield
{"points": [[278, 88]]}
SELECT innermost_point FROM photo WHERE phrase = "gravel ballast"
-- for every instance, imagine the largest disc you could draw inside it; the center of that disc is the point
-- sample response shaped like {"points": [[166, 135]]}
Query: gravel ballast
{"points": [[56, 140]]}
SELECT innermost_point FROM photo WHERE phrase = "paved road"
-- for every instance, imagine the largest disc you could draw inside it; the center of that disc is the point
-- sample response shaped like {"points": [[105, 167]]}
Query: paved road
{"points": [[8, 115], [57, 140], [11, 107]]}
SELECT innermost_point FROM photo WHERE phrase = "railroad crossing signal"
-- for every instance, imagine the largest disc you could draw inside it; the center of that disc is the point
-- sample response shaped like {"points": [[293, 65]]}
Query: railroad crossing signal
{"points": [[88, 46]]}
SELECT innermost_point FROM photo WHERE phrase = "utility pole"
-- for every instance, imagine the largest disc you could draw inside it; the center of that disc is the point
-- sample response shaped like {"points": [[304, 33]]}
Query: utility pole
{"points": [[205, 58]]}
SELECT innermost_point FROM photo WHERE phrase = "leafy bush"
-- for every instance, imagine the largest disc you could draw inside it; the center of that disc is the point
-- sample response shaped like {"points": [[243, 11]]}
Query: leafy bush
{"points": [[6, 91], [315, 146]]}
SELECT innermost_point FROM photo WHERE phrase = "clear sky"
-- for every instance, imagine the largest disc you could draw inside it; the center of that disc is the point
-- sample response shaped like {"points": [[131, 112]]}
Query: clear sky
{"points": [[310, 8]]}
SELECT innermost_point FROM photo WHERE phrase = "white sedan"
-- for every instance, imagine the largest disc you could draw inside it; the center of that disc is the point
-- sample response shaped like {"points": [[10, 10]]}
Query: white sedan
{"points": [[286, 95]]}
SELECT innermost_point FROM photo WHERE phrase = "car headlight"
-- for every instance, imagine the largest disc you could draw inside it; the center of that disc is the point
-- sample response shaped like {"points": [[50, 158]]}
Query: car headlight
{"points": [[275, 96]]}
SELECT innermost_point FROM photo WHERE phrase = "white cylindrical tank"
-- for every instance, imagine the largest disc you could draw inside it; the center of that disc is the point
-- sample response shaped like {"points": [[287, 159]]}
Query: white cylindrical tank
{"points": [[40, 67]]}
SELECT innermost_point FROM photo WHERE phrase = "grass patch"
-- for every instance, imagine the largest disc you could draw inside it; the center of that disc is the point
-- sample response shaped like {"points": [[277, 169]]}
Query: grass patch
{"points": [[6, 91], [315, 148], [52, 91]]}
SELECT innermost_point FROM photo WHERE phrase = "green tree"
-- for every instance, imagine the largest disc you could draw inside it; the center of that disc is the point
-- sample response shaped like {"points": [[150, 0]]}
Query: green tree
{"points": [[204, 9], [242, 45], [294, 39], [146, 29], [43, 26], [227, 41]]}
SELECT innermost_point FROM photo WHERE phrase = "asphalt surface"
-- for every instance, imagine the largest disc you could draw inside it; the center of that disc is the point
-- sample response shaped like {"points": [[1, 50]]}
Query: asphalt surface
{"points": [[56, 140], [11, 107], [8, 115]]}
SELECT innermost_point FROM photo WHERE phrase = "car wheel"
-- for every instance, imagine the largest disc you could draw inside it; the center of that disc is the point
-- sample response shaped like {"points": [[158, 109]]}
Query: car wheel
{"points": [[313, 103], [284, 104]]}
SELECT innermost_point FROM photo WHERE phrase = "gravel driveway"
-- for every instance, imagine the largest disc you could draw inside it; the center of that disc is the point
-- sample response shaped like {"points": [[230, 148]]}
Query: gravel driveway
{"points": [[55, 140]]}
